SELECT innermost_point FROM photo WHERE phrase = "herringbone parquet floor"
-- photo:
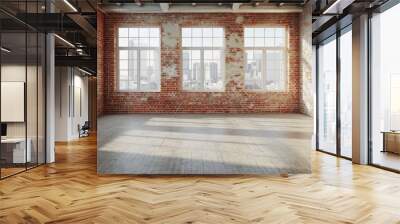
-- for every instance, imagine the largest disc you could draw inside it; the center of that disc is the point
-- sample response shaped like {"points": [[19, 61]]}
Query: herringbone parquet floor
{"points": [[70, 191]]}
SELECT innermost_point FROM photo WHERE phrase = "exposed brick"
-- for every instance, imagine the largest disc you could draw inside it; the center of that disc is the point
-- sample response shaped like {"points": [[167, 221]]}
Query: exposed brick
{"points": [[235, 98], [100, 63]]}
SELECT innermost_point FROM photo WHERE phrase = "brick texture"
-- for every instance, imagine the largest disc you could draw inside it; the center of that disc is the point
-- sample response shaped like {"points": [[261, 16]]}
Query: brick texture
{"points": [[100, 63], [171, 98]]}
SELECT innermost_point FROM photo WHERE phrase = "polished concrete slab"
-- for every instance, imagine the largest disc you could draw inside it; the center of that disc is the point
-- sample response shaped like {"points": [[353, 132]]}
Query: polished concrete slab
{"points": [[204, 144]]}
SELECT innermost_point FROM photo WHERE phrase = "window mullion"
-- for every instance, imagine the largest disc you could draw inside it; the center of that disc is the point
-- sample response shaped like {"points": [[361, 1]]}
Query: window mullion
{"points": [[202, 68], [264, 67], [138, 53], [129, 69]]}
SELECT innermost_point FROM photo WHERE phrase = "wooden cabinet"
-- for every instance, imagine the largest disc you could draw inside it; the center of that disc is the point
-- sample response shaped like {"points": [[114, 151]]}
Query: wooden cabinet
{"points": [[391, 142]]}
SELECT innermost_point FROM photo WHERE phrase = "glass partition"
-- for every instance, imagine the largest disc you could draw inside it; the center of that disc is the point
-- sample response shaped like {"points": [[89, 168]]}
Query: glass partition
{"points": [[385, 90], [327, 95], [41, 97], [22, 88], [31, 99], [346, 93], [14, 153]]}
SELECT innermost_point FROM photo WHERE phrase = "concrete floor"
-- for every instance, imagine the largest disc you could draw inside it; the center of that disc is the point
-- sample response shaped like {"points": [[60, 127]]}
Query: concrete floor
{"points": [[204, 144]]}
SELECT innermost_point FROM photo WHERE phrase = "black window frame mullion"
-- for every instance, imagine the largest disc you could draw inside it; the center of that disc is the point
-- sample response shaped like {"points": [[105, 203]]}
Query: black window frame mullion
{"points": [[338, 94], [1, 53], [317, 96], [26, 87]]}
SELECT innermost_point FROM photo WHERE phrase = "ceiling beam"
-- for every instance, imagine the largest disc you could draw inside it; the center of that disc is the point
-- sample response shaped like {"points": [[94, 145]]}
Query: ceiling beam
{"points": [[164, 7], [84, 24], [175, 8], [236, 6], [85, 61], [337, 7]]}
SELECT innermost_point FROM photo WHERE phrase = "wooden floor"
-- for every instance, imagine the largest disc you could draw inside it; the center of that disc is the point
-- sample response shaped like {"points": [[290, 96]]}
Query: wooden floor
{"points": [[386, 159], [70, 191], [204, 144]]}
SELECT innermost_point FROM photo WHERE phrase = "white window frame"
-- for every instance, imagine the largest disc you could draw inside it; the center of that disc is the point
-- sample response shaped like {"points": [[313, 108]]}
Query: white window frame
{"points": [[264, 50], [202, 49], [138, 50]]}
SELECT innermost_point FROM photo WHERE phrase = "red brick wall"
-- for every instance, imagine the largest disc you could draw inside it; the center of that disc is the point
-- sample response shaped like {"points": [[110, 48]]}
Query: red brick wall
{"points": [[235, 99], [100, 63]]}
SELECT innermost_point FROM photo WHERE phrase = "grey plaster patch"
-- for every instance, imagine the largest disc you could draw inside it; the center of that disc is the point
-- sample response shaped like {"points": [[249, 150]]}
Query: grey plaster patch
{"points": [[170, 70], [233, 40], [239, 19], [171, 35]]}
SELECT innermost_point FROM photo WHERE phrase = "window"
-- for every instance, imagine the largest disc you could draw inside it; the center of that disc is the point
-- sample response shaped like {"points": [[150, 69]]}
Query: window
{"points": [[203, 59], [327, 95], [346, 74], [266, 52], [139, 59], [385, 88]]}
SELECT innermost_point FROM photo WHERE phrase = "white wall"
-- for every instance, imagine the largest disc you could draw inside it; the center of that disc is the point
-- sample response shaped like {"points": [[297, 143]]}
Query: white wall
{"points": [[17, 73], [79, 117], [62, 82], [70, 84]]}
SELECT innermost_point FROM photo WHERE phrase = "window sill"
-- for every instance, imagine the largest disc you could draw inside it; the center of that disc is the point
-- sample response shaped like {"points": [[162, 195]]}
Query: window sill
{"points": [[265, 91], [138, 91], [203, 91]]}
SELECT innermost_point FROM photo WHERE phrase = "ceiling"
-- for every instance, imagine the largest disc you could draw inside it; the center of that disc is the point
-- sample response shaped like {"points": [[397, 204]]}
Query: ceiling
{"points": [[74, 21], [332, 15], [200, 6]]}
